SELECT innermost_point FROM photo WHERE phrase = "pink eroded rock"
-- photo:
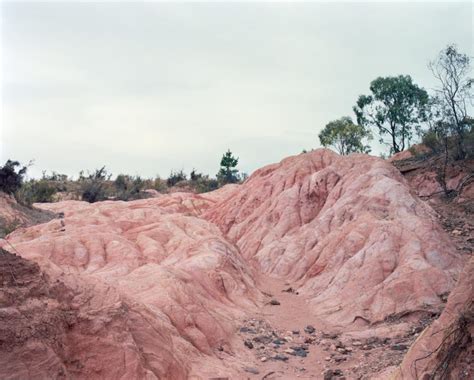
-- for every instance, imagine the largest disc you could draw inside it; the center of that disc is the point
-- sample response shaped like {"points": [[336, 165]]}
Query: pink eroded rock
{"points": [[173, 269], [444, 348], [63, 327], [154, 288], [348, 229]]}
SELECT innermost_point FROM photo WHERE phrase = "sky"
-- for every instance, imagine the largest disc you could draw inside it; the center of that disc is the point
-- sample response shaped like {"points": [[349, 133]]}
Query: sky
{"points": [[145, 88]]}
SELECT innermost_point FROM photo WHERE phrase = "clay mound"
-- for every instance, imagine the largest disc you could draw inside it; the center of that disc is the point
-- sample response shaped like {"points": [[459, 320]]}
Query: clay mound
{"points": [[179, 270], [445, 349], [65, 328], [328, 222]]}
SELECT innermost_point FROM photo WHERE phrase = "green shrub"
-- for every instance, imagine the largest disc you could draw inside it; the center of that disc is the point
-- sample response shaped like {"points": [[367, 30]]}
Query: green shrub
{"points": [[160, 185], [431, 140], [205, 184], [175, 177], [11, 178], [93, 187], [128, 187], [36, 191], [8, 227]]}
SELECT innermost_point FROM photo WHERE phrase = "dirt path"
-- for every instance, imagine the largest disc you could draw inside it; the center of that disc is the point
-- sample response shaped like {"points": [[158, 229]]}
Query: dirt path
{"points": [[278, 342], [273, 334]]}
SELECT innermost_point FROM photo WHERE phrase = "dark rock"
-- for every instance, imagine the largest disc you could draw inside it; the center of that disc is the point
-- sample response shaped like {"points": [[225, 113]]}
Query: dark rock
{"points": [[372, 341], [296, 348], [281, 357], [330, 336], [301, 353], [309, 329], [274, 302], [296, 332], [339, 359], [279, 341], [251, 370], [248, 344], [247, 330], [399, 347], [264, 339], [331, 374]]}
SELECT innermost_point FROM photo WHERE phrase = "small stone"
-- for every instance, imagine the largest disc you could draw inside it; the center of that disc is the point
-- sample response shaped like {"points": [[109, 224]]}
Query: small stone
{"points": [[281, 357], [248, 344], [399, 347], [251, 370], [264, 339], [331, 374], [296, 332], [263, 359], [309, 329], [339, 359], [356, 343], [274, 302], [300, 353]]}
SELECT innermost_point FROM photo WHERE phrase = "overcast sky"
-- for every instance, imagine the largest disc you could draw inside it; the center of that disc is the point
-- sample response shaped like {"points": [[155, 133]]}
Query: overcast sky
{"points": [[146, 88]]}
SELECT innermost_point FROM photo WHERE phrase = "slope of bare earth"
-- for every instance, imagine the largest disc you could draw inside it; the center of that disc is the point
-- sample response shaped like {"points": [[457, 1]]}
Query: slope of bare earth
{"points": [[14, 215], [314, 264], [445, 350]]}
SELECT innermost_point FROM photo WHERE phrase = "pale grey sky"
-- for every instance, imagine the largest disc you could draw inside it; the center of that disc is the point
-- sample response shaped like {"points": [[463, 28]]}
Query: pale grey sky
{"points": [[144, 88]]}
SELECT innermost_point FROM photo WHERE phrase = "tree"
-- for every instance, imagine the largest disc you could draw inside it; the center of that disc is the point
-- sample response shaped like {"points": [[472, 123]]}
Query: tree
{"points": [[454, 93], [345, 136], [11, 179], [227, 172], [395, 108]]}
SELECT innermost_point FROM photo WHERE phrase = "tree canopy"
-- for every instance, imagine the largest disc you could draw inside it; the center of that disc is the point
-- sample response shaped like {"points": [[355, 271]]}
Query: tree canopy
{"points": [[395, 107], [11, 178], [227, 173], [345, 136], [454, 93]]}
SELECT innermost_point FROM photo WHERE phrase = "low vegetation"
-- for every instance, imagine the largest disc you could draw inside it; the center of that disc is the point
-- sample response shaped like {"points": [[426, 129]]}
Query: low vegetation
{"points": [[98, 184]]}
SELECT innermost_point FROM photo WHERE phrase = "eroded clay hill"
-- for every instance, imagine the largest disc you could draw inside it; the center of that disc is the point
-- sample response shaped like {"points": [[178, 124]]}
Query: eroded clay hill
{"points": [[159, 288], [349, 230]]}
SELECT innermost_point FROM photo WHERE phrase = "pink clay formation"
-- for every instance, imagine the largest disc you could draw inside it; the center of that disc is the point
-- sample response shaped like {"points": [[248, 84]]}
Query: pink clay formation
{"points": [[156, 288]]}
